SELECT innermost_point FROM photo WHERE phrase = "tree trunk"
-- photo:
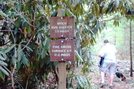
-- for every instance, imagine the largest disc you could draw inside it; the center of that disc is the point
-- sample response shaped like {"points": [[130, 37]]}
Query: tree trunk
{"points": [[131, 62]]}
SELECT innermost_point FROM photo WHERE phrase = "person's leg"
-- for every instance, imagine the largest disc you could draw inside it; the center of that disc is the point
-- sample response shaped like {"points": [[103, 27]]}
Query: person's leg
{"points": [[102, 80], [111, 79], [112, 72], [102, 77], [103, 70]]}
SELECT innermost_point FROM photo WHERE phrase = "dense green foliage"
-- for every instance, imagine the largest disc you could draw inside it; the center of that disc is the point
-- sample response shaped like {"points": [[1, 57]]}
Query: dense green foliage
{"points": [[25, 37]]}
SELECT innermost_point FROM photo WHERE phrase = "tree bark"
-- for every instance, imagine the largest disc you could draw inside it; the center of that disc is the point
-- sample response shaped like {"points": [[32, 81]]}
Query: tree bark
{"points": [[131, 61]]}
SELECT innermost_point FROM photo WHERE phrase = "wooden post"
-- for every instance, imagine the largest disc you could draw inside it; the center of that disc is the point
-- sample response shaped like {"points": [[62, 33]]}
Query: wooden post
{"points": [[62, 75], [61, 67]]}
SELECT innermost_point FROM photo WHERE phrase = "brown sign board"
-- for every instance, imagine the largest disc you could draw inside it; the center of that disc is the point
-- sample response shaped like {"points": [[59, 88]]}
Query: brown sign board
{"points": [[62, 50], [61, 27]]}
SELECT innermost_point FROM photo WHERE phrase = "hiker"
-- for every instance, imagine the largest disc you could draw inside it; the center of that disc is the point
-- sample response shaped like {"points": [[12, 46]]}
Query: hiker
{"points": [[108, 51]]}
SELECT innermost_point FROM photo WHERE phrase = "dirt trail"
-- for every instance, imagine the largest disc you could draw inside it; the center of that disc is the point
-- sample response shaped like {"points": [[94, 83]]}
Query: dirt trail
{"points": [[123, 67]]}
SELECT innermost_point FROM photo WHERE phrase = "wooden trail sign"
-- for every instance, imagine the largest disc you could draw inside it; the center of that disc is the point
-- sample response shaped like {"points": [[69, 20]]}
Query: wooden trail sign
{"points": [[61, 27], [62, 50]]}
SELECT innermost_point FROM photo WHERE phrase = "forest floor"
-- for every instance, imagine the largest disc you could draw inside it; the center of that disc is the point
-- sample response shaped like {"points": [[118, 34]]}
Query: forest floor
{"points": [[123, 67]]}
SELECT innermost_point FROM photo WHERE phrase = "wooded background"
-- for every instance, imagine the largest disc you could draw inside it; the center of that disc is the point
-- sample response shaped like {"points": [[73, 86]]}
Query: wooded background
{"points": [[119, 36], [25, 39]]}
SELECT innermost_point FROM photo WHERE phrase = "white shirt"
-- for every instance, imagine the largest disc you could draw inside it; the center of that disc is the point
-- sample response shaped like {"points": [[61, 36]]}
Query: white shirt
{"points": [[108, 51]]}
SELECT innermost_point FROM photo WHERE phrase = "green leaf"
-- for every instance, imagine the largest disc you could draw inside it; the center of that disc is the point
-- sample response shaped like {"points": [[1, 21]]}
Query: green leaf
{"points": [[16, 31], [2, 13], [29, 49], [67, 13], [83, 82], [27, 6], [18, 22], [46, 43], [19, 53], [24, 59], [18, 65], [3, 54], [9, 48], [87, 28], [3, 63], [12, 60], [2, 58], [79, 81], [19, 6], [54, 14], [4, 71], [95, 30], [43, 53], [42, 63], [1, 76], [47, 61], [78, 56], [38, 24], [71, 13]]}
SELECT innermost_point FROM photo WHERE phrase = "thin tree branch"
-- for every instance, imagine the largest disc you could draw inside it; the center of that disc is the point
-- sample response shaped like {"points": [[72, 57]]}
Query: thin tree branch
{"points": [[14, 68], [115, 18], [27, 82], [6, 30], [24, 18], [25, 45]]}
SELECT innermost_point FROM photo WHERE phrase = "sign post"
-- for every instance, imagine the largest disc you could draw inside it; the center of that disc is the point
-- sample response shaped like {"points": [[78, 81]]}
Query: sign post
{"points": [[61, 50]]}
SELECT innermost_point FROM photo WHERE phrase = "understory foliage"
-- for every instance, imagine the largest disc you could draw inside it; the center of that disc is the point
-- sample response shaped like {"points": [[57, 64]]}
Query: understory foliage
{"points": [[25, 38]]}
